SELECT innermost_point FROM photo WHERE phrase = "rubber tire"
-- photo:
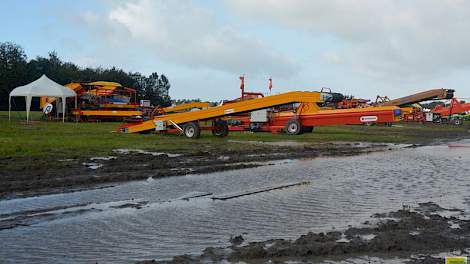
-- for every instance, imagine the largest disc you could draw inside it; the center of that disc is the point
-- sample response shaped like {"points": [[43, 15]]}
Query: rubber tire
{"points": [[457, 122], [307, 129], [192, 130], [293, 127], [221, 128]]}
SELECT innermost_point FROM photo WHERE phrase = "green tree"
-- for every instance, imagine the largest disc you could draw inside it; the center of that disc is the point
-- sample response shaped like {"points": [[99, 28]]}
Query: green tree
{"points": [[154, 88], [163, 90], [13, 70]]}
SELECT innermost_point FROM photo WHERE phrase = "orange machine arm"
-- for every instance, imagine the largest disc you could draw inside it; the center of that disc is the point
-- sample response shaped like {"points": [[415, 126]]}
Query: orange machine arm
{"points": [[187, 106], [440, 93], [228, 109]]}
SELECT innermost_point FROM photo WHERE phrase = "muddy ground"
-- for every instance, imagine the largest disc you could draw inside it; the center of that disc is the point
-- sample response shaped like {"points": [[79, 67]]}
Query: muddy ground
{"points": [[412, 234], [23, 176], [26, 176]]}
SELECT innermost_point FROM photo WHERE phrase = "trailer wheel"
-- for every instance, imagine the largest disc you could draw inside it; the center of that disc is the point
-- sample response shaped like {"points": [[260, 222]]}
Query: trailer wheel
{"points": [[307, 129], [220, 128], [192, 130], [293, 127], [457, 122]]}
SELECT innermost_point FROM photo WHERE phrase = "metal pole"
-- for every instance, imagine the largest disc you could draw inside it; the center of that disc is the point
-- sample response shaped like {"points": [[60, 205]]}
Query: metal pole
{"points": [[63, 109], [76, 119], [28, 106], [57, 108], [9, 108]]}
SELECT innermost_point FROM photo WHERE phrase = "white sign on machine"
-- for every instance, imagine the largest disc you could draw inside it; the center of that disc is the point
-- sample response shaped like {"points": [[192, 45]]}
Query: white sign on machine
{"points": [[368, 119], [160, 125], [145, 103], [429, 116], [47, 109], [229, 111], [259, 116]]}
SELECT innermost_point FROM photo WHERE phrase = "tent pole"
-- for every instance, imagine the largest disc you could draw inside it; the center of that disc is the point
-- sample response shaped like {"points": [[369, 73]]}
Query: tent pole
{"points": [[9, 108], [76, 119], [28, 107], [63, 109]]}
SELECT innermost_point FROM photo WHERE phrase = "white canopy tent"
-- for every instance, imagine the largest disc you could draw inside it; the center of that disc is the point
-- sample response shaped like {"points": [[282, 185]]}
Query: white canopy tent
{"points": [[39, 88]]}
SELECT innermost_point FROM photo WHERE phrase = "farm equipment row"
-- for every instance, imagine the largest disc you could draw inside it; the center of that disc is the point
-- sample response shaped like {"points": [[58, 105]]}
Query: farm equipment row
{"points": [[291, 112]]}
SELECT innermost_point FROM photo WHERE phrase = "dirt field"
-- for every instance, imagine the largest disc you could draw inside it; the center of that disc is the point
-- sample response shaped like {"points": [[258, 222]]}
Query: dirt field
{"points": [[55, 157], [50, 158], [34, 175]]}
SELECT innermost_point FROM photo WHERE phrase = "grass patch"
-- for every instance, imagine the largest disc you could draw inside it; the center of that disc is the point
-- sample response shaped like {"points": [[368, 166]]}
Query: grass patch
{"points": [[92, 139]]}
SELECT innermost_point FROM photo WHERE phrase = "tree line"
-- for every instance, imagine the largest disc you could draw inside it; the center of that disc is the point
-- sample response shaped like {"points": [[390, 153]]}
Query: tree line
{"points": [[17, 70]]}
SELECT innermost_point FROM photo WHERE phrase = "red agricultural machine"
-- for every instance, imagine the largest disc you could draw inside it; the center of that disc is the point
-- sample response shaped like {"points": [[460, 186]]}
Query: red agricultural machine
{"points": [[101, 101], [291, 112], [301, 117], [454, 113]]}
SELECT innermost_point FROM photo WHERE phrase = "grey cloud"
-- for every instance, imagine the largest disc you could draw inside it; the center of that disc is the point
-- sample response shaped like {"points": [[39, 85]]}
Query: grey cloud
{"points": [[394, 40], [181, 33]]}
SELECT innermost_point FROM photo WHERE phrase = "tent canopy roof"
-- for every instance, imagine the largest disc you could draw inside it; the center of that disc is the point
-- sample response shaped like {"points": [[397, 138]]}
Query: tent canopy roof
{"points": [[103, 83], [43, 87]]}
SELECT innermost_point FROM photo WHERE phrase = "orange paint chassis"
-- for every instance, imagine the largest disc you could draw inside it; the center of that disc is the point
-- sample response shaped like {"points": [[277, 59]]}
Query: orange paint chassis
{"points": [[279, 122]]}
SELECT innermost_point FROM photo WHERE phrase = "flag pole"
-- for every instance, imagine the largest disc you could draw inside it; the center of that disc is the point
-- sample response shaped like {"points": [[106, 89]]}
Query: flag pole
{"points": [[270, 84]]}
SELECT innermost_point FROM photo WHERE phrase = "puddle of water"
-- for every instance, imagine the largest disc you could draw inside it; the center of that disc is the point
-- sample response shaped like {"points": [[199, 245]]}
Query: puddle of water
{"points": [[343, 191], [92, 165], [140, 151], [67, 160], [286, 143], [103, 158], [291, 143]]}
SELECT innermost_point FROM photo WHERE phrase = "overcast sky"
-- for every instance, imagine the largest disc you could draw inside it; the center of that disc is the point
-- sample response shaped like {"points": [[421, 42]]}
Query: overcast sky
{"points": [[364, 48]]}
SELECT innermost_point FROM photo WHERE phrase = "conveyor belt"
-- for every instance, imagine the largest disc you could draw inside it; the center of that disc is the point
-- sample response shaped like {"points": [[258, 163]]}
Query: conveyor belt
{"points": [[420, 97]]}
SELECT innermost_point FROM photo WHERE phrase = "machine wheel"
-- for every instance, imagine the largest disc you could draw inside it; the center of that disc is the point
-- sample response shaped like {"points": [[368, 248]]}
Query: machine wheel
{"points": [[220, 128], [293, 127], [457, 122], [192, 130], [307, 129]]}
